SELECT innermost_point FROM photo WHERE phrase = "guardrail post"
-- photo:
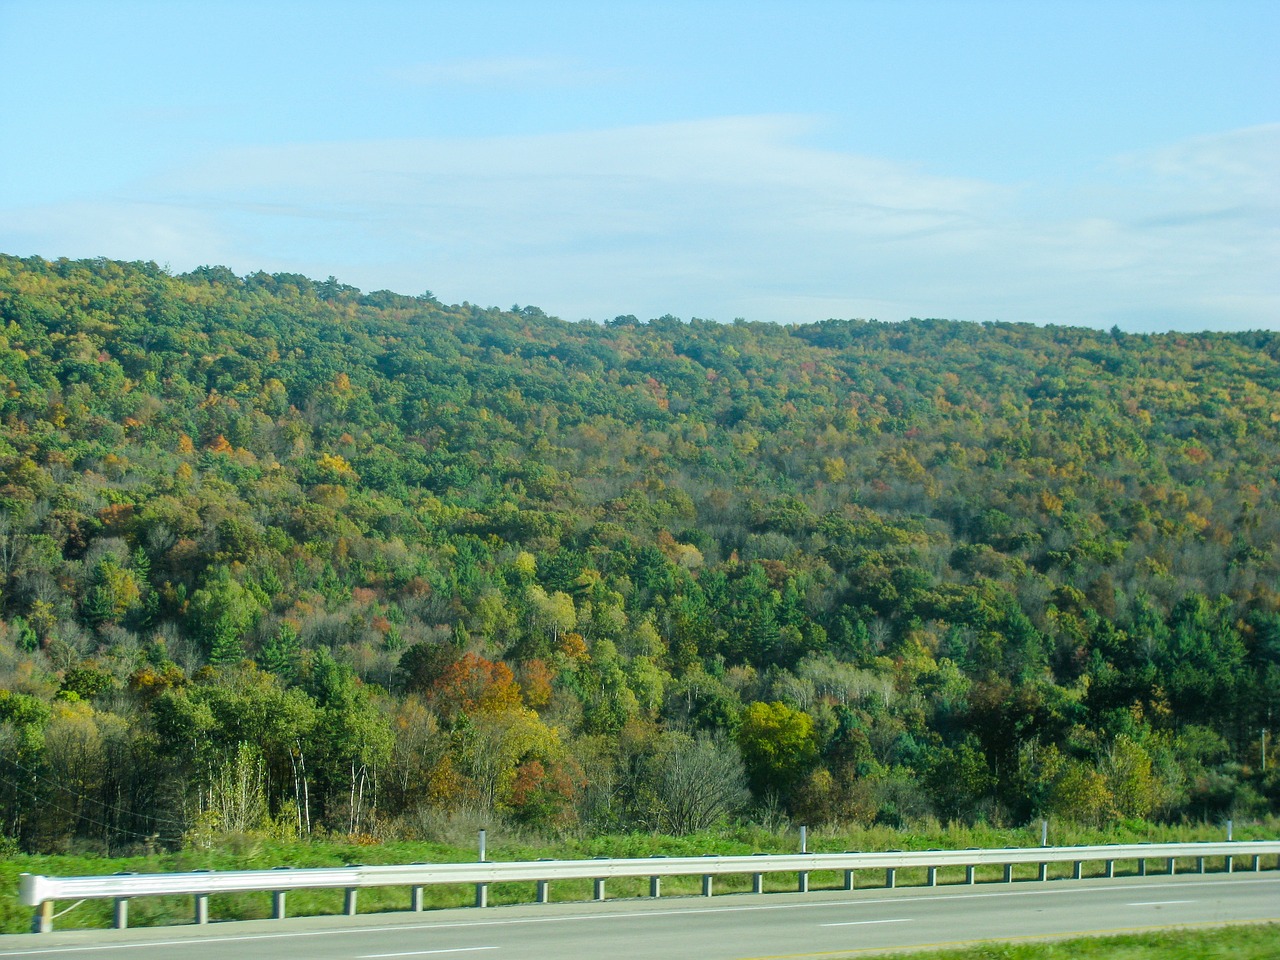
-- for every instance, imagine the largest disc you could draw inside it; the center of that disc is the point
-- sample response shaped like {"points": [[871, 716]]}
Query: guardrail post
{"points": [[890, 877], [544, 891], [848, 879], [277, 904], [1173, 867], [1142, 866], [1008, 873], [42, 922], [969, 871], [655, 880], [415, 892], [349, 901], [1043, 873], [1257, 863], [202, 908], [599, 888], [482, 894], [1110, 870], [757, 879], [1199, 864], [706, 884], [1231, 865], [120, 919], [802, 885], [1077, 870], [933, 876]]}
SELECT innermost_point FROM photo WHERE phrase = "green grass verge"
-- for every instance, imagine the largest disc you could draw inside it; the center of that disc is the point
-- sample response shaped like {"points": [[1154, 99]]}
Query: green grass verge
{"points": [[1250, 942]]}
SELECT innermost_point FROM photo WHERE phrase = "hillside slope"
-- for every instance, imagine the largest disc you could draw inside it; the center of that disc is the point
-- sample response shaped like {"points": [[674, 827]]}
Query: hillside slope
{"points": [[367, 559]]}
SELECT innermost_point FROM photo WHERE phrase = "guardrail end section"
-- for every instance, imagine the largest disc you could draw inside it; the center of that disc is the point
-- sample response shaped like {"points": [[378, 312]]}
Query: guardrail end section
{"points": [[29, 889], [31, 893]]}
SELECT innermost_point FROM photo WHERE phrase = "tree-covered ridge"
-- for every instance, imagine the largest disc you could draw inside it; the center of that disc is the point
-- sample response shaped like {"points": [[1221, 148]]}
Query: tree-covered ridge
{"points": [[380, 559]]}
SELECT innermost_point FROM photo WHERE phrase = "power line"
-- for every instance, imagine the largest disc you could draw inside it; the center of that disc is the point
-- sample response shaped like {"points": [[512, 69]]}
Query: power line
{"points": [[77, 814], [83, 798]]}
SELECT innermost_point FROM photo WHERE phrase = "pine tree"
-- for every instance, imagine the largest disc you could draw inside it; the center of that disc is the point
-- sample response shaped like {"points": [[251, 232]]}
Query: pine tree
{"points": [[279, 654], [226, 646]]}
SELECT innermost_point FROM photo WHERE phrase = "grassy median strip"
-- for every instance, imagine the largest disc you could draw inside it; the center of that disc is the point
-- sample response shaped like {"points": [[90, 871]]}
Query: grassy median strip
{"points": [[1244, 942]]}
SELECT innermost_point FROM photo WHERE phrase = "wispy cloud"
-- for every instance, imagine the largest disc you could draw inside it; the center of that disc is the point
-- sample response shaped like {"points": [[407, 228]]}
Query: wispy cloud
{"points": [[722, 218], [122, 228], [1232, 162]]}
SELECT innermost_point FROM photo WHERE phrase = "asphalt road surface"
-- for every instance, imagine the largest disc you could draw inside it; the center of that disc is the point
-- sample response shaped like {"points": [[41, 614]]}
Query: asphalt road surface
{"points": [[731, 927]]}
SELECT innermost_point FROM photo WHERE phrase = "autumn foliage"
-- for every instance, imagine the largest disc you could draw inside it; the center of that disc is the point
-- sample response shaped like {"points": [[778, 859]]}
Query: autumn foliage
{"points": [[283, 555]]}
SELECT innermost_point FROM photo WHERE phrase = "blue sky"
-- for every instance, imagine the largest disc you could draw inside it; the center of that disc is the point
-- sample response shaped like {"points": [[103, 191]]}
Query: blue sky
{"points": [[1086, 163]]}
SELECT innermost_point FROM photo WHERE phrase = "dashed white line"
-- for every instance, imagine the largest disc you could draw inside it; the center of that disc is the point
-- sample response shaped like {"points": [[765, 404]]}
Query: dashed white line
{"points": [[863, 923]]}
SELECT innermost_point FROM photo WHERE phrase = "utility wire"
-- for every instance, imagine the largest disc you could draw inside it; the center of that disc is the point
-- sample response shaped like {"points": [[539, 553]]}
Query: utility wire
{"points": [[87, 799], [79, 815]]}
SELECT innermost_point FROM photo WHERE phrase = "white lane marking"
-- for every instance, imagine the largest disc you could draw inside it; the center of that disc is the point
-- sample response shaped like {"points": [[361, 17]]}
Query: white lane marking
{"points": [[1157, 903], [423, 953], [863, 923], [1099, 886]]}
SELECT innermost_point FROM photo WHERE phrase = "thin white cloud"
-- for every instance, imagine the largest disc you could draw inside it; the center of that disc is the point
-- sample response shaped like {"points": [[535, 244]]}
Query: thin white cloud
{"points": [[664, 185], [124, 229], [721, 218], [1238, 161]]}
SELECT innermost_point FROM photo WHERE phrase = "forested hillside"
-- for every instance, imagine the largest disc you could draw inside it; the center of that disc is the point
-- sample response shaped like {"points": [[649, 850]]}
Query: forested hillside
{"points": [[277, 552]]}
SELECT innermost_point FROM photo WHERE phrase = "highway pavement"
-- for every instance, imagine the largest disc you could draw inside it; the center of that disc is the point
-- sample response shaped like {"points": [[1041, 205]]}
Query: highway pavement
{"points": [[729, 927]]}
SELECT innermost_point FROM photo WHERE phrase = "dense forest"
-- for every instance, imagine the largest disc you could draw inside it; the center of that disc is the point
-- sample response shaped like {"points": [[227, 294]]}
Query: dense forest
{"points": [[276, 554]]}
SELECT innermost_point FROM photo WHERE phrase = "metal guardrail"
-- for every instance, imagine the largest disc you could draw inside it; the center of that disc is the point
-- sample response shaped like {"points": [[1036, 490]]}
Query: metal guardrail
{"points": [[41, 892]]}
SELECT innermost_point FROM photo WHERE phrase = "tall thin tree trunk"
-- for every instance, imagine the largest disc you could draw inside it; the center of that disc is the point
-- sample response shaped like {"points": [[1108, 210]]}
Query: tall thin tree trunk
{"points": [[351, 804], [297, 791], [364, 773], [306, 790]]}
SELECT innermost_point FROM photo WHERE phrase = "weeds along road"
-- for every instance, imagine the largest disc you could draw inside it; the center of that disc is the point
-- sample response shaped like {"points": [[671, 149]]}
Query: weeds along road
{"points": [[732, 927]]}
